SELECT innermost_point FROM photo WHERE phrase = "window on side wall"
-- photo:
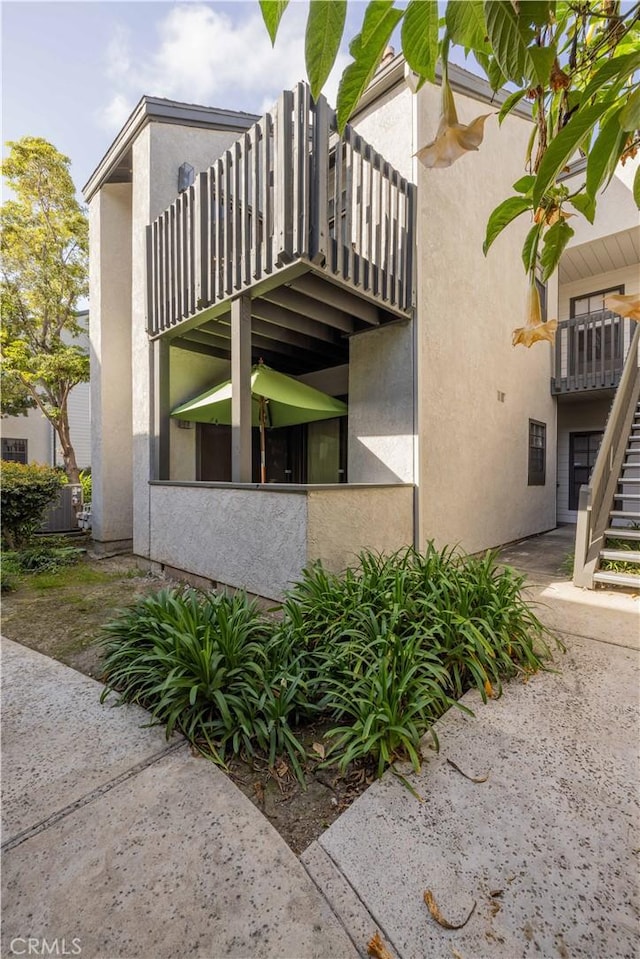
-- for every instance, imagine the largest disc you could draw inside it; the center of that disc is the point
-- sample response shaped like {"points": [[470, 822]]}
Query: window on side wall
{"points": [[537, 453], [14, 450]]}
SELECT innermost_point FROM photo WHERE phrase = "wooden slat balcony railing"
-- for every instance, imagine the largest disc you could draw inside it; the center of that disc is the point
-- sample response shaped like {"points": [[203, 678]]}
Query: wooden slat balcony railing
{"points": [[289, 189], [590, 351]]}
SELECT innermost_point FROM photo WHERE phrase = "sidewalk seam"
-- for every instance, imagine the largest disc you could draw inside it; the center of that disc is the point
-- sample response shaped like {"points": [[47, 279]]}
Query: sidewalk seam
{"points": [[89, 797], [361, 949]]}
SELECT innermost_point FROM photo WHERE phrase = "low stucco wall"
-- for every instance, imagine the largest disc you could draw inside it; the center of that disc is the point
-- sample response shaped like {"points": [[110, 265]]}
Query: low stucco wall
{"points": [[260, 539], [344, 520]]}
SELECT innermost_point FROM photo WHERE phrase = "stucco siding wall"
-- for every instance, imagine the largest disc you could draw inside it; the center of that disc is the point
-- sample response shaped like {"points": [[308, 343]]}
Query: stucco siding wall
{"points": [[473, 446], [381, 415], [388, 126], [110, 352], [251, 539], [578, 416], [344, 521], [158, 153], [616, 211]]}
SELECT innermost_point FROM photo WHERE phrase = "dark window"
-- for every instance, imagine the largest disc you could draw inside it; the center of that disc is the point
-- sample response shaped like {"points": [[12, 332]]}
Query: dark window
{"points": [[591, 302], [583, 450], [14, 450], [537, 453]]}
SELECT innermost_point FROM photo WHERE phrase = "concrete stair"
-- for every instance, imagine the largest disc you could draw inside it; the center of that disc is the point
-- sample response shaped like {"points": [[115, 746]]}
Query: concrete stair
{"points": [[624, 522]]}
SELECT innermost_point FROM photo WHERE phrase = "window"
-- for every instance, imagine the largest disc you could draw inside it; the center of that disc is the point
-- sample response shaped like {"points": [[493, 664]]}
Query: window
{"points": [[14, 450], [591, 302], [583, 450], [537, 453]]}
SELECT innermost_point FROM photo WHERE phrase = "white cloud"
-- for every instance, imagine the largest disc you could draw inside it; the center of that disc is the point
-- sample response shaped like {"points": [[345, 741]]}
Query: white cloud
{"points": [[204, 55]]}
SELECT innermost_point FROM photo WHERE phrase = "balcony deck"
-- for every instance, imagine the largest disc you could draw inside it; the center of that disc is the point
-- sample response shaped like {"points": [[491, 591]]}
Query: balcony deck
{"points": [[590, 351], [318, 229]]}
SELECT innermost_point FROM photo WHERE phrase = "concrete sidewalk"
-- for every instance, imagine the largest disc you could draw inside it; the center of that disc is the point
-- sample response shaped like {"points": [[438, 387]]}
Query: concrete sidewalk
{"points": [[124, 845], [548, 847]]}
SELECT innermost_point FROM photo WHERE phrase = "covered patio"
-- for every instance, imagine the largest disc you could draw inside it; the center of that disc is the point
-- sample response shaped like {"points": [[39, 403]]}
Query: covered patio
{"points": [[296, 244]]}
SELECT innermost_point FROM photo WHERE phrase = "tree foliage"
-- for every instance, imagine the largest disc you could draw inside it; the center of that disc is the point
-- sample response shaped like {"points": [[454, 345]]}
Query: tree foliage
{"points": [[576, 63], [44, 249]]}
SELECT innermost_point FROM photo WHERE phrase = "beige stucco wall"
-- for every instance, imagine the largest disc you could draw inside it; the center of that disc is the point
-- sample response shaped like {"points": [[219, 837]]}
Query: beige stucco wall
{"points": [[388, 126], [110, 352], [261, 539], [616, 211], [381, 422], [473, 447], [247, 538], [158, 152], [344, 520]]}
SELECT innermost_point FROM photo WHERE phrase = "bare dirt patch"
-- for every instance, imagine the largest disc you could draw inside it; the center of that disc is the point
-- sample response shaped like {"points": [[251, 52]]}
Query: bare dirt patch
{"points": [[60, 614]]}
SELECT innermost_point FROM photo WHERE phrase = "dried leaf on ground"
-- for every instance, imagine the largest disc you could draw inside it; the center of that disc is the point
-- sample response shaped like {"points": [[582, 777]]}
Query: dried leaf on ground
{"points": [[319, 749], [377, 948], [473, 779], [437, 915], [455, 953]]}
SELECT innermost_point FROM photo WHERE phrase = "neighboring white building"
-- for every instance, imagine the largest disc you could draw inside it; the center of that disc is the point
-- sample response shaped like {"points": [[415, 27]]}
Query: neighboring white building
{"points": [[344, 262], [32, 438]]}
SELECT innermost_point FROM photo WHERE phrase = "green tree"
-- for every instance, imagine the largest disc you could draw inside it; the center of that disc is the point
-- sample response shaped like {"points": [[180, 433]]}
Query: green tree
{"points": [[44, 248], [576, 63]]}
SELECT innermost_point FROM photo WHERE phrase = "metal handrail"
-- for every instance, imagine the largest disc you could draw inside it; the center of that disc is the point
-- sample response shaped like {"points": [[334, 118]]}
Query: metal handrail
{"points": [[596, 499]]}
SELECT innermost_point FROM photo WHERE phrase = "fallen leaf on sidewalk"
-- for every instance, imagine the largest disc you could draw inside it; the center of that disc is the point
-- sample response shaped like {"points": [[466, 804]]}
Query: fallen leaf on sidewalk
{"points": [[437, 915], [455, 953], [473, 779], [377, 948]]}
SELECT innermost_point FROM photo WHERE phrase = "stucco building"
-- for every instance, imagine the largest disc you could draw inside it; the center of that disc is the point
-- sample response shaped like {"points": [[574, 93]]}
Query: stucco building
{"points": [[220, 238]]}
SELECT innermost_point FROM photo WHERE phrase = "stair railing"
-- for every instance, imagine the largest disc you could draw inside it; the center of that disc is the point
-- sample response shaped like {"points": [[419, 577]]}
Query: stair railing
{"points": [[596, 499]]}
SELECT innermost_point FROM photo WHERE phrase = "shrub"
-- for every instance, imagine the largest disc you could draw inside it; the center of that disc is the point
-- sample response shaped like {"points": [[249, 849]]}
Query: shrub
{"points": [[202, 663], [380, 651], [85, 481], [26, 493]]}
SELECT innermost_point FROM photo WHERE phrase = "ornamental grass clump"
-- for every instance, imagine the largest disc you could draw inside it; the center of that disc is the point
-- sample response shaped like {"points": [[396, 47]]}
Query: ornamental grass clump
{"points": [[377, 653], [202, 664]]}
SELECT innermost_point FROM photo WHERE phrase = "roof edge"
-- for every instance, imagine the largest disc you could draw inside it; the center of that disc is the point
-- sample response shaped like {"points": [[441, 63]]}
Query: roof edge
{"points": [[461, 80], [157, 109]]}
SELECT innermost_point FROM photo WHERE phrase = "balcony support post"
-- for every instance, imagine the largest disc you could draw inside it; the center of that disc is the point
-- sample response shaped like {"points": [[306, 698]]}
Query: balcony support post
{"points": [[241, 389], [161, 408]]}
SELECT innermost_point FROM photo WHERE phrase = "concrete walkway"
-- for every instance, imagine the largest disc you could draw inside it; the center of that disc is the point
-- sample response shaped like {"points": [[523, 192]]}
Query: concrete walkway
{"points": [[125, 845], [134, 847], [548, 847]]}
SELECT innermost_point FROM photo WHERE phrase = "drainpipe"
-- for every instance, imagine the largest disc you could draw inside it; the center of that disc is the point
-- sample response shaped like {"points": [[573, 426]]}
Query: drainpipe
{"points": [[414, 326]]}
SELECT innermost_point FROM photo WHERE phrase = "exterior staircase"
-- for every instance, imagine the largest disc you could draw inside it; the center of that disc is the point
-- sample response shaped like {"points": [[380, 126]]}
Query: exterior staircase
{"points": [[608, 526], [622, 536]]}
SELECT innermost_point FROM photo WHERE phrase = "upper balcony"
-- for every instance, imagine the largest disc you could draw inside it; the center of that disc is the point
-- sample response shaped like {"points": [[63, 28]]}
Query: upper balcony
{"points": [[317, 229], [590, 351]]}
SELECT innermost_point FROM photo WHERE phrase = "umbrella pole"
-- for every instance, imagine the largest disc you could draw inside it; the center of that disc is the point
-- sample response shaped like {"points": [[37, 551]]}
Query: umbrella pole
{"points": [[263, 456]]}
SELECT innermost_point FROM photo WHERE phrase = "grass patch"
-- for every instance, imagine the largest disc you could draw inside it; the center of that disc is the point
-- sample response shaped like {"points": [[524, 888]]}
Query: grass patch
{"points": [[378, 654]]}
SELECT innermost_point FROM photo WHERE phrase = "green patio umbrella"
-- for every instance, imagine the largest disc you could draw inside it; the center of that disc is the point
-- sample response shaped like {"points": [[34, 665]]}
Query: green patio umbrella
{"points": [[277, 400]]}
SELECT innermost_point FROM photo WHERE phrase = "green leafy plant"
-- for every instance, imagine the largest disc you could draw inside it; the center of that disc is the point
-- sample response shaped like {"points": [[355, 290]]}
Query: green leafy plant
{"points": [[85, 482], [201, 663], [379, 652], [576, 64], [26, 493]]}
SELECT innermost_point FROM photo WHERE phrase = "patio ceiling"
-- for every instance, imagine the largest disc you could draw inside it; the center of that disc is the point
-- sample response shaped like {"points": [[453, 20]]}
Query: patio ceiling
{"points": [[299, 327]]}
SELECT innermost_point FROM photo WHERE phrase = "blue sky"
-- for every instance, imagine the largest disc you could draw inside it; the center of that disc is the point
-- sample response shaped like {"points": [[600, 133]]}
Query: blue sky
{"points": [[73, 71]]}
